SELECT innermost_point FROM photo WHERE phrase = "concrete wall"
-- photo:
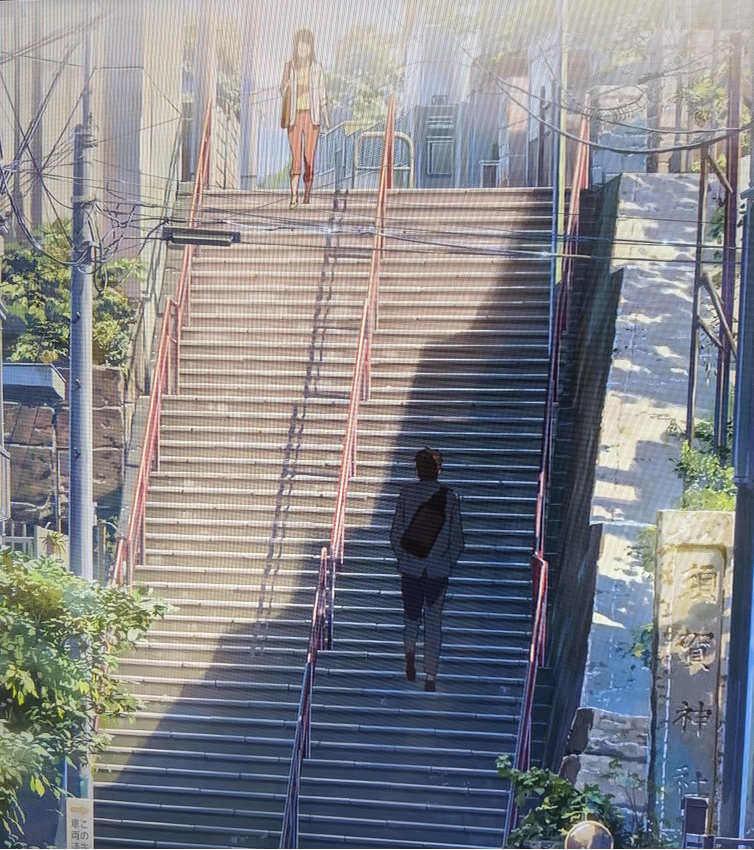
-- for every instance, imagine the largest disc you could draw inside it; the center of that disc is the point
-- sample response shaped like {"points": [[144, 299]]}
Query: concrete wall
{"points": [[587, 355], [37, 439]]}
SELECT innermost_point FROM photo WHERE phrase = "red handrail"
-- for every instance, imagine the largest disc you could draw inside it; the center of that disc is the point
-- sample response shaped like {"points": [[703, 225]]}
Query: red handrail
{"points": [[322, 615], [539, 565], [164, 379], [362, 367]]}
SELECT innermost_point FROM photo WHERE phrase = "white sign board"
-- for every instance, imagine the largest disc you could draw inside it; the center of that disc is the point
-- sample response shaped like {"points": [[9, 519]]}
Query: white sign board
{"points": [[79, 823]]}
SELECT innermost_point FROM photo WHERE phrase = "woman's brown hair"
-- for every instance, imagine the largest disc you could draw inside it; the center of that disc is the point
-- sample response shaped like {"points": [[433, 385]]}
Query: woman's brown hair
{"points": [[307, 37]]}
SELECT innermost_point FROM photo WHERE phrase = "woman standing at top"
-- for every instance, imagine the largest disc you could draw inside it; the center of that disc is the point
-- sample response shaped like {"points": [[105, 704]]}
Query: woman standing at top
{"points": [[304, 108]]}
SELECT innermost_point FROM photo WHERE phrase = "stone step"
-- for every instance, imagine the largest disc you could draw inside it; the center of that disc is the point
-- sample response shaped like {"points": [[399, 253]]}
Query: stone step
{"points": [[225, 790], [217, 515]]}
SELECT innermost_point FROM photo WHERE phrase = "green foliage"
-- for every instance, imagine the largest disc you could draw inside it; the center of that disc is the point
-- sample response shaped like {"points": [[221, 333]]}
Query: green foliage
{"points": [[707, 480], [279, 180], [716, 224], [557, 806], [640, 645], [366, 72], [60, 638], [36, 291], [644, 548], [707, 102], [645, 831]]}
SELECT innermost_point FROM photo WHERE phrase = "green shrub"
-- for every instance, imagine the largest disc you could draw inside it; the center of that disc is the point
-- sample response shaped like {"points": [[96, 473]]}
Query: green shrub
{"points": [[60, 638], [557, 806], [36, 291], [707, 482]]}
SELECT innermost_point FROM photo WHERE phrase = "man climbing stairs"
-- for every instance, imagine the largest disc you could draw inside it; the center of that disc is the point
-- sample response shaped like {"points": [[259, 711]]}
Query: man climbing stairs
{"points": [[242, 504]]}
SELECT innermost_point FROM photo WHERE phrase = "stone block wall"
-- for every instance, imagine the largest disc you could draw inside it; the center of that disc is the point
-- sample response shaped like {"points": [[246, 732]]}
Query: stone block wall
{"points": [[36, 437], [610, 750]]}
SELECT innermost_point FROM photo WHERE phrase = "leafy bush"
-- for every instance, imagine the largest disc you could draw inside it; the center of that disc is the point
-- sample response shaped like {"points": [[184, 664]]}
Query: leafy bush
{"points": [[640, 643], [644, 548], [36, 290], [60, 638], [707, 482], [559, 805]]}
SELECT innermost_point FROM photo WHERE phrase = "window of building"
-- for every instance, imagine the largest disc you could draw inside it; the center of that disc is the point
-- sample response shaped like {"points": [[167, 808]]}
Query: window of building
{"points": [[439, 157]]}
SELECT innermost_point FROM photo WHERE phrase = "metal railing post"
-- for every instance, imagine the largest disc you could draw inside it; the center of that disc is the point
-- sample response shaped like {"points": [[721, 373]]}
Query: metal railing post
{"points": [[164, 379], [539, 565], [320, 635], [698, 257]]}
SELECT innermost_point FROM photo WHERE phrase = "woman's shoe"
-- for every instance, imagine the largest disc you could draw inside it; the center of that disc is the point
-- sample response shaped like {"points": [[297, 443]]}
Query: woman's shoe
{"points": [[429, 685], [294, 203]]}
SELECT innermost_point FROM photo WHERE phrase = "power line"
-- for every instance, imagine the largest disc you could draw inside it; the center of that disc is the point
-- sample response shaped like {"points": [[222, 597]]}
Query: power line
{"points": [[594, 145]]}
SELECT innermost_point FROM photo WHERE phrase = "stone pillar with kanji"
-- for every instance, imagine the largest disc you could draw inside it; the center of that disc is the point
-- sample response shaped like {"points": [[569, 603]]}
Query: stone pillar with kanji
{"points": [[692, 604]]}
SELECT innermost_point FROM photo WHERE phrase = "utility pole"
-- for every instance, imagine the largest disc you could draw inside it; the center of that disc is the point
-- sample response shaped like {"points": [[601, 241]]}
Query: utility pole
{"points": [[81, 501], [249, 118], [18, 196], [36, 143], [560, 120], [205, 76]]}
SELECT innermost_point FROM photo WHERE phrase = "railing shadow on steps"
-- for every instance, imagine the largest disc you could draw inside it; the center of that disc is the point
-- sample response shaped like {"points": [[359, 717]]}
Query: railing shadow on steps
{"points": [[539, 565], [164, 379], [332, 559]]}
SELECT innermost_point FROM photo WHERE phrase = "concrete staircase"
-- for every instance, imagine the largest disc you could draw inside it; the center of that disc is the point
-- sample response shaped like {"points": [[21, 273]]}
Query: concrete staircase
{"points": [[460, 364], [243, 503]]}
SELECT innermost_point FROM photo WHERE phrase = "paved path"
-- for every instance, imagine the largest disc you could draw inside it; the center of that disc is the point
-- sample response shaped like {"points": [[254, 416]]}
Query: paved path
{"points": [[646, 393]]}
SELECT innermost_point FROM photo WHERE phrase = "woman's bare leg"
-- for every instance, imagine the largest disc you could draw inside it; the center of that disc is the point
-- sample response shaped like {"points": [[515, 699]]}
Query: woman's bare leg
{"points": [[294, 140], [311, 135]]}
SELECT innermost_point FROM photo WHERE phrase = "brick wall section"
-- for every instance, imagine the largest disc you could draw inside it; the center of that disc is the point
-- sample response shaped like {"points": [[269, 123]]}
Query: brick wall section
{"points": [[36, 437]]}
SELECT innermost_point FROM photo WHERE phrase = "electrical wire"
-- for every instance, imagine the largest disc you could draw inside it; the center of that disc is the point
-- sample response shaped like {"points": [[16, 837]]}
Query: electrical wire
{"points": [[594, 145]]}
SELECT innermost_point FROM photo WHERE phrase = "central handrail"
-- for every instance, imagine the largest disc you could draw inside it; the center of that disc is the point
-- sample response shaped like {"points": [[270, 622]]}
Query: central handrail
{"points": [[331, 559], [164, 379], [539, 565]]}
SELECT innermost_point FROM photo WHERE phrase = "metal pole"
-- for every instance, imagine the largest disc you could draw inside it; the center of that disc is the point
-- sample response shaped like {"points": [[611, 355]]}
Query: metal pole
{"points": [[557, 239], [205, 80], [541, 137], [36, 142], [722, 401], [737, 753], [81, 511], [694, 353], [249, 118]]}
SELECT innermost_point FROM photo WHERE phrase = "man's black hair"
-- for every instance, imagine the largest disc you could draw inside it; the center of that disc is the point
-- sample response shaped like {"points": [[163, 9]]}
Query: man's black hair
{"points": [[428, 463]]}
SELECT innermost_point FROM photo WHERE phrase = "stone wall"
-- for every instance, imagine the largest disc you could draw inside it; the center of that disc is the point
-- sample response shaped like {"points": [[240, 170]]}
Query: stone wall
{"points": [[610, 750], [36, 436]]}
